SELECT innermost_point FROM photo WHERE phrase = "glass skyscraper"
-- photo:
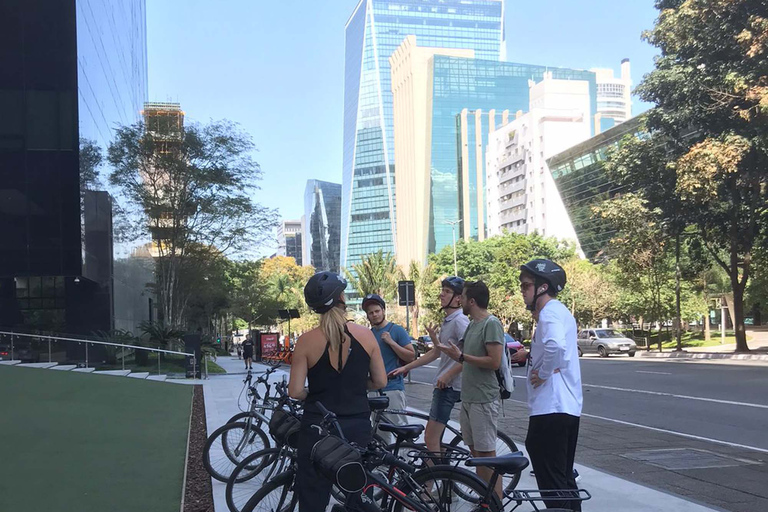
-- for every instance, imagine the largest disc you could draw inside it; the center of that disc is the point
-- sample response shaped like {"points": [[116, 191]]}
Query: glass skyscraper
{"points": [[322, 231], [373, 32], [475, 84], [583, 183]]}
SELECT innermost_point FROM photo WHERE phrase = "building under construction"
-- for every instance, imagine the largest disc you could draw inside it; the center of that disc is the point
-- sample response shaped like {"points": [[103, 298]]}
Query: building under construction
{"points": [[164, 125]]}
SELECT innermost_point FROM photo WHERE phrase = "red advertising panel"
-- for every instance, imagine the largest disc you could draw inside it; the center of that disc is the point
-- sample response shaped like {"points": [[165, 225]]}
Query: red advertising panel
{"points": [[268, 344]]}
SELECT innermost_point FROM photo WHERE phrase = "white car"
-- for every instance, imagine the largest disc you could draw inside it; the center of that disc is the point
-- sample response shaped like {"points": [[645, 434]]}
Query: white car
{"points": [[605, 342]]}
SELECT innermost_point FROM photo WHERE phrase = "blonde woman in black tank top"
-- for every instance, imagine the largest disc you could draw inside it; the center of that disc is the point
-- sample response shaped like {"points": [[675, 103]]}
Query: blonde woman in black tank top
{"points": [[341, 361]]}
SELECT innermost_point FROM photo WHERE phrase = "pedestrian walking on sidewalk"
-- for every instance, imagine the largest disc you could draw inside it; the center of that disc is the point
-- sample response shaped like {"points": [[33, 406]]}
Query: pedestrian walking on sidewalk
{"points": [[554, 380], [396, 350], [448, 378], [481, 356], [342, 361], [248, 352]]}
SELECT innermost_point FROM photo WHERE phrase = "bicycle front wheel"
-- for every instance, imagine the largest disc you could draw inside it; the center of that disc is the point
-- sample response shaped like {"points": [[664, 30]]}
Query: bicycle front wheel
{"points": [[251, 474], [228, 446], [447, 488], [277, 495]]}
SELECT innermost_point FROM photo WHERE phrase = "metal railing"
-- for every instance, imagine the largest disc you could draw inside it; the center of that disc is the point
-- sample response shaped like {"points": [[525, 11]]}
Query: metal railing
{"points": [[123, 346]]}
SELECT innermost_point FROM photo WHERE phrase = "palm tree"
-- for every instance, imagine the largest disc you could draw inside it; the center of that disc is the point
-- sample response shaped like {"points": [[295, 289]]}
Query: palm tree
{"points": [[377, 273]]}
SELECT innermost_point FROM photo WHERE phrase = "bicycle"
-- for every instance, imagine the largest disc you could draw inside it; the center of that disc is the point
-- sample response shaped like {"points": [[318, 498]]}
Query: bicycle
{"points": [[228, 445], [258, 468], [504, 444], [517, 463], [417, 490]]}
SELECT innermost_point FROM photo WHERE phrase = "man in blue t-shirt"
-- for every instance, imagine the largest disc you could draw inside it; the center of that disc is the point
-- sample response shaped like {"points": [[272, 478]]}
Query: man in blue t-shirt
{"points": [[396, 350]]}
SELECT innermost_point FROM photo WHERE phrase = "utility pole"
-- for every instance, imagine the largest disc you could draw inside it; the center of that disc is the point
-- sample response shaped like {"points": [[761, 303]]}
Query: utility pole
{"points": [[453, 232]]}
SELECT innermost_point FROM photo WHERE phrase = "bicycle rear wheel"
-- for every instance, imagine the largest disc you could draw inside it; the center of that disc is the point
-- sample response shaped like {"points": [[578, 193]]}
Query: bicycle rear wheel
{"points": [[504, 445], [447, 488], [277, 495]]}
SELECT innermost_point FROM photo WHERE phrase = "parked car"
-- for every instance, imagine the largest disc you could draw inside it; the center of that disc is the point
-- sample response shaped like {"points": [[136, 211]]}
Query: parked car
{"points": [[605, 342], [424, 344], [513, 346]]}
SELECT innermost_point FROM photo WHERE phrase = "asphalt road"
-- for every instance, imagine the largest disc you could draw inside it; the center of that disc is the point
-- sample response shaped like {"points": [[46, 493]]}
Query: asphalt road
{"points": [[725, 405]]}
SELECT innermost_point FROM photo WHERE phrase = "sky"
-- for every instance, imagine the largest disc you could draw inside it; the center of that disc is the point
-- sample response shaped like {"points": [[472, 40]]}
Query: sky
{"points": [[276, 67]]}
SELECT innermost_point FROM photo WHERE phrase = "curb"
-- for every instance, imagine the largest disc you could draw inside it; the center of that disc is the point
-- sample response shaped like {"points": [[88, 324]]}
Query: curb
{"points": [[704, 355]]}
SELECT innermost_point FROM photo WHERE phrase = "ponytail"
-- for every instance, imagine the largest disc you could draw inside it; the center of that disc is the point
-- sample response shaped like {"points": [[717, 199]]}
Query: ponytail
{"points": [[332, 322]]}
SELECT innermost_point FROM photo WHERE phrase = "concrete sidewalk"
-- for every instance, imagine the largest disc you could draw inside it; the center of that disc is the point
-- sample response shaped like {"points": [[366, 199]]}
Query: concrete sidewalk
{"points": [[758, 345], [609, 493]]}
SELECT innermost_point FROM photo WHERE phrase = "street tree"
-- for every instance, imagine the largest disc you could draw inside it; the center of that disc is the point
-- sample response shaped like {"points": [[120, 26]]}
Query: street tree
{"points": [[91, 159], [590, 293], [189, 189], [427, 288], [640, 249], [710, 123]]}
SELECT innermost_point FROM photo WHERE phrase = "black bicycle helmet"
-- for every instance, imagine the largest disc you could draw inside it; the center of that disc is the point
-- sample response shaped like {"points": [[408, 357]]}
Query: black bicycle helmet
{"points": [[454, 283], [372, 298], [545, 271], [323, 291]]}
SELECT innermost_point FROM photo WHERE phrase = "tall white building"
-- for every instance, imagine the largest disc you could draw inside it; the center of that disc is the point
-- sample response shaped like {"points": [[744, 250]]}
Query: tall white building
{"points": [[614, 104], [521, 196]]}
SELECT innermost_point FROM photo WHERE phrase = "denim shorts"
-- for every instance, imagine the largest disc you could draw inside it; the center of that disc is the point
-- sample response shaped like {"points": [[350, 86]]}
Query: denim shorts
{"points": [[443, 401]]}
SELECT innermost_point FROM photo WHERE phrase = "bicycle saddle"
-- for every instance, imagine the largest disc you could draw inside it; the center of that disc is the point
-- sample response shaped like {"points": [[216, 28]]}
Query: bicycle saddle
{"points": [[402, 431], [378, 403], [509, 463]]}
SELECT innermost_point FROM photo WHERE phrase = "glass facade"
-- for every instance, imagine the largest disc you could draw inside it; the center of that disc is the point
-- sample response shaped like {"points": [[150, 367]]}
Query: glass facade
{"points": [[111, 65], [112, 89], [474, 84], [50, 55], [579, 175], [373, 33], [322, 233]]}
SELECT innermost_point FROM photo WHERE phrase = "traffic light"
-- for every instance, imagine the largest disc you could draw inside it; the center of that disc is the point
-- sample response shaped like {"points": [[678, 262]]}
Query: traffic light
{"points": [[218, 340]]}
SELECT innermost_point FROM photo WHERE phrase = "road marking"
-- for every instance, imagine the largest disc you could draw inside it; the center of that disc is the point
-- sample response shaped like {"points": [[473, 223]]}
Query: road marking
{"points": [[682, 434], [685, 397], [672, 395], [666, 431], [655, 373]]}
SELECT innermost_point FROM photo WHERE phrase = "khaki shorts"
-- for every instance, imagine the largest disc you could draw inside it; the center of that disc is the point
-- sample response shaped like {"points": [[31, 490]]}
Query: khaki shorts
{"points": [[478, 425]]}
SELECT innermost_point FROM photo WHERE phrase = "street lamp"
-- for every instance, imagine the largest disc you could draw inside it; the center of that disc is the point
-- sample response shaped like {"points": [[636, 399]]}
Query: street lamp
{"points": [[453, 232]]}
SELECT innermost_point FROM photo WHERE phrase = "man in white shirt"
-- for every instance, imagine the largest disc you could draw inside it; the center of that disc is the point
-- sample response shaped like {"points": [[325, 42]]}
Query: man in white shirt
{"points": [[554, 380]]}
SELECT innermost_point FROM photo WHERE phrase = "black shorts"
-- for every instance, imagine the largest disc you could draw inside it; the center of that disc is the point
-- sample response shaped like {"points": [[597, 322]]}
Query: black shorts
{"points": [[247, 354]]}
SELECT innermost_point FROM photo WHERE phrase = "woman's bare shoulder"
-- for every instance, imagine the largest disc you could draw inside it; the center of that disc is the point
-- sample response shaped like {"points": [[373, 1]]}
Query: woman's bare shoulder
{"points": [[362, 334]]}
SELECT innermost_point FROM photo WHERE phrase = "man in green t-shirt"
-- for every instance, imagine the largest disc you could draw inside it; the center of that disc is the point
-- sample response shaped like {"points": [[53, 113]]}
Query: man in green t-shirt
{"points": [[483, 344]]}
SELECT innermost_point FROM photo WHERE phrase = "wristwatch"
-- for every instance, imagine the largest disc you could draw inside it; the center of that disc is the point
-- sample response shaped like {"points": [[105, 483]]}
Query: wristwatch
{"points": [[461, 357]]}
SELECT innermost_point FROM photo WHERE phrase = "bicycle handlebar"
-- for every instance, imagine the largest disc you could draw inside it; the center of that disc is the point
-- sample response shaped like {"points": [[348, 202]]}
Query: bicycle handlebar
{"points": [[329, 418]]}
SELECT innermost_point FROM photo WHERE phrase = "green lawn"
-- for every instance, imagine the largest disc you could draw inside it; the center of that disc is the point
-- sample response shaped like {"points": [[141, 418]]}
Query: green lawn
{"points": [[692, 339], [84, 442]]}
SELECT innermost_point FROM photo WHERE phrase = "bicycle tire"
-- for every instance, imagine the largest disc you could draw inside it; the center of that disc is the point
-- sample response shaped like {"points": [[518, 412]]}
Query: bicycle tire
{"points": [[452, 478], [258, 421], [504, 445], [219, 456], [251, 474], [276, 495]]}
